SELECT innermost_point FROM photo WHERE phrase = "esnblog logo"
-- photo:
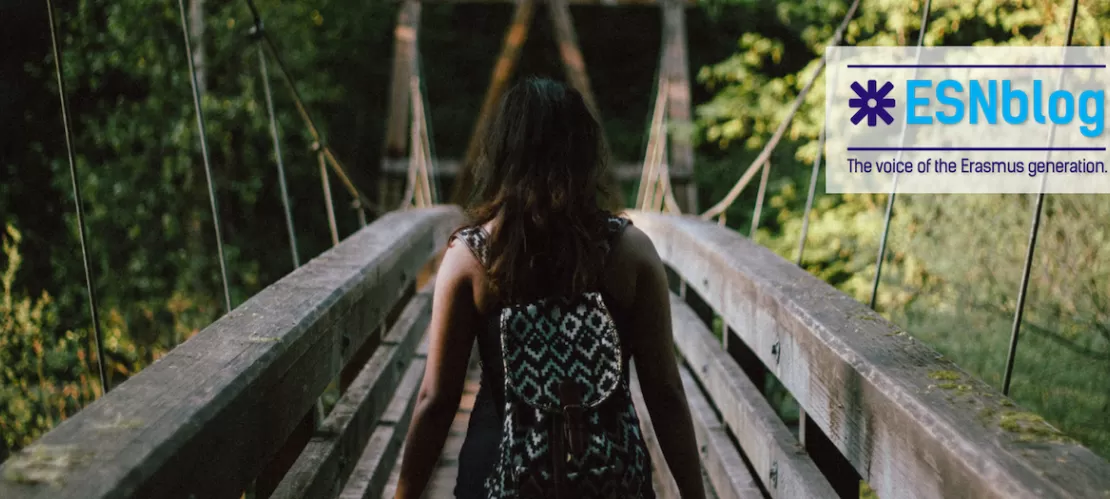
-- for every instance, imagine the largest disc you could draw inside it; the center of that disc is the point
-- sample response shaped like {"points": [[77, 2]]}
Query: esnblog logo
{"points": [[872, 102], [1061, 106]]}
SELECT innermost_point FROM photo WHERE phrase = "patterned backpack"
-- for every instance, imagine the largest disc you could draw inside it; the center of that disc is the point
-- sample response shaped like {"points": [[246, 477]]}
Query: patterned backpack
{"points": [[570, 430]]}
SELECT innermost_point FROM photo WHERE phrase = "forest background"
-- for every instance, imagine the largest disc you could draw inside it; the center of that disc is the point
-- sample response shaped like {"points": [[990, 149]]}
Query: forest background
{"points": [[954, 262]]}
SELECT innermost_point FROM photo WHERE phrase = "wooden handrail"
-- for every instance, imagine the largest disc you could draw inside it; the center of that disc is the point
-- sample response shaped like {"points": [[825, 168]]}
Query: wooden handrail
{"points": [[867, 385], [204, 420]]}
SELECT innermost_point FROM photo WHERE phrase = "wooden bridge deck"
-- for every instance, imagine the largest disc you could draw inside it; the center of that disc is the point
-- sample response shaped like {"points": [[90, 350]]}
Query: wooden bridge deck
{"points": [[443, 480], [232, 408]]}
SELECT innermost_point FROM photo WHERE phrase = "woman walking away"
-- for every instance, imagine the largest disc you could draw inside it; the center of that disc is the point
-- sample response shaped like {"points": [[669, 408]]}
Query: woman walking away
{"points": [[561, 296]]}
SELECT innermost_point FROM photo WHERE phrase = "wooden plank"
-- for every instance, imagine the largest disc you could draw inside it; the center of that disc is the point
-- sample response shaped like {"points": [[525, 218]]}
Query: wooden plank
{"points": [[870, 386], [274, 471], [405, 38], [779, 461], [721, 459], [240, 385], [675, 69], [451, 447], [515, 36], [372, 469], [449, 167], [664, 484], [363, 354], [323, 466]]}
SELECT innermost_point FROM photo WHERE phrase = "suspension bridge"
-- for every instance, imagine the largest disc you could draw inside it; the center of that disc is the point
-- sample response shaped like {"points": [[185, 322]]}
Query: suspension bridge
{"points": [[236, 408]]}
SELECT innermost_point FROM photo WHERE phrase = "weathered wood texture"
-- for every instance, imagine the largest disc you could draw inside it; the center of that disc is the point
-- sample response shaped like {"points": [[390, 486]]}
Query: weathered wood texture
{"points": [[721, 460], [664, 483], [449, 167], [358, 361], [779, 461], [327, 460], [868, 385], [442, 482], [206, 417], [371, 472]]}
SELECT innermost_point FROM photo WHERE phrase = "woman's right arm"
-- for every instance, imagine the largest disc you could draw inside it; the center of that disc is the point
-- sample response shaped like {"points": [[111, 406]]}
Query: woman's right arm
{"points": [[652, 344]]}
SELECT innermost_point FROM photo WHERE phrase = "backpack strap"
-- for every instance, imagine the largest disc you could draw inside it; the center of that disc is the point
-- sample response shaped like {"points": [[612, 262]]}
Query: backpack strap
{"points": [[477, 240], [615, 226]]}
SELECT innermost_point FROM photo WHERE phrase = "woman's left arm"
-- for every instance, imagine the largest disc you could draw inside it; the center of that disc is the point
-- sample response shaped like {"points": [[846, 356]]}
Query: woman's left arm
{"points": [[453, 327]]}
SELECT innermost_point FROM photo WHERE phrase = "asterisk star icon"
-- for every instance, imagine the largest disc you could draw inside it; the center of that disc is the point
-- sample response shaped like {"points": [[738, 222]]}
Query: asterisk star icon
{"points": [[872, 103]]}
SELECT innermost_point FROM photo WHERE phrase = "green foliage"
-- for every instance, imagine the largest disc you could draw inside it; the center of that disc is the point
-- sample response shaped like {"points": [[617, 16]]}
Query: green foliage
{"points": [[44, 377], [145, 192], [953, 263]]}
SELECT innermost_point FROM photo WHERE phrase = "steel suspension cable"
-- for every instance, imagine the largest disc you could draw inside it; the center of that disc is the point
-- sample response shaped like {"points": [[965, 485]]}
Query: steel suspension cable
{"points": [[89, 286], [1034, 227], [204, 152], [337, 167], [277, 143], [765, 154], [812, 193], [894, 181]]}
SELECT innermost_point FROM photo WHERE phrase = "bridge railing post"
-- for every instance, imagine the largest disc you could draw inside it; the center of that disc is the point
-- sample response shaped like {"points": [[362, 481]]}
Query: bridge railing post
{"points": [[879, 405]]}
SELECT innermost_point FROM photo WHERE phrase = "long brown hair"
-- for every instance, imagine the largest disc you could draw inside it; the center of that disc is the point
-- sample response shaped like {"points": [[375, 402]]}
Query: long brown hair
{"points": [[540, 170]]}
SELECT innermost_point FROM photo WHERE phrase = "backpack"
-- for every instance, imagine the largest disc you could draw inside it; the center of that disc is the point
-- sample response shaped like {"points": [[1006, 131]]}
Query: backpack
{"points": [[570, 430]]}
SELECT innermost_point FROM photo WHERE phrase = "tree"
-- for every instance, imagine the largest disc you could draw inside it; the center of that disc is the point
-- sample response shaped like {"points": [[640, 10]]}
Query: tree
{"points": [[954, 262]]}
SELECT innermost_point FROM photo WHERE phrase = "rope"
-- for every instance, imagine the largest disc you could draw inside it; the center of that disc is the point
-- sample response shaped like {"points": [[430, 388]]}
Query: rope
{"points": [[422, 142], [363, 202], [758, 210], [277, 145], [204, 152], [670, 204], [413, 190], [648, 176], [428, 131], [329, 204], [1033, 229], [894, 181], [765, 154], [419, 191], [77, 200]]}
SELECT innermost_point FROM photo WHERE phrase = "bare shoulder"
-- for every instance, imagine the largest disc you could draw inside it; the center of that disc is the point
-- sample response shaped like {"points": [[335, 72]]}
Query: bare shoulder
{"points": [[632, 264], [636, 247], [458, 260], [462, 274]]}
